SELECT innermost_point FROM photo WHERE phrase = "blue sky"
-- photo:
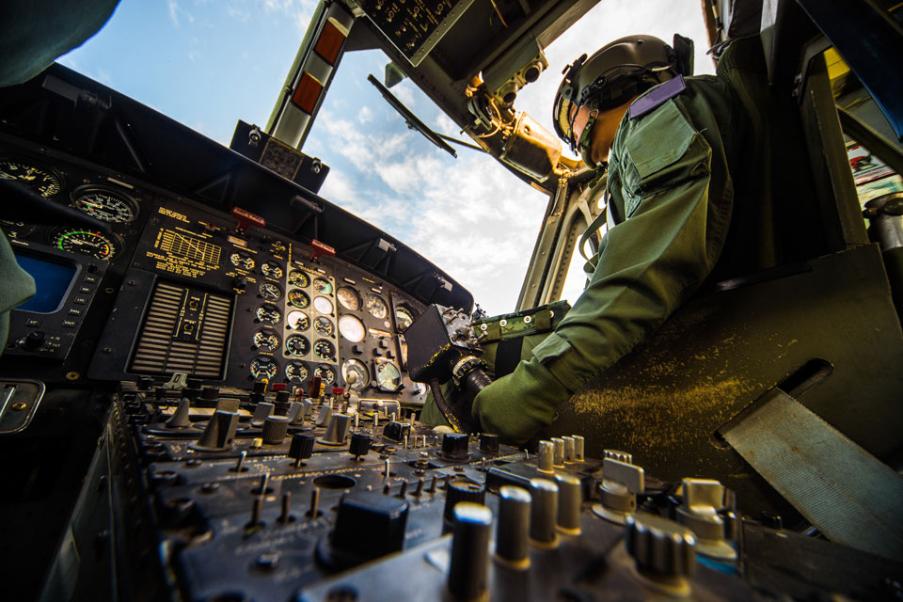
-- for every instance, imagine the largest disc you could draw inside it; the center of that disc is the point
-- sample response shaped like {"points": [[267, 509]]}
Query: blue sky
{"points": [[208, 63]]}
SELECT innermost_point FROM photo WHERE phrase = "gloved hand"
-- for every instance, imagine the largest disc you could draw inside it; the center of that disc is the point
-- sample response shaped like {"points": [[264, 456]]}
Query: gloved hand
{"points": [[518, 405]]}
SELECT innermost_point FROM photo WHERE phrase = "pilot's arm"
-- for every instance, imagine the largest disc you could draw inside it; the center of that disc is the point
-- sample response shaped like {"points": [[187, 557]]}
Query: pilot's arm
{"points": [[672, 192]]}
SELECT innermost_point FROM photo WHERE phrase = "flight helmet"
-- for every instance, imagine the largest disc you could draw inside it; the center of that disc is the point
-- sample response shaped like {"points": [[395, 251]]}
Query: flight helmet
{"points": [[612, 76]]}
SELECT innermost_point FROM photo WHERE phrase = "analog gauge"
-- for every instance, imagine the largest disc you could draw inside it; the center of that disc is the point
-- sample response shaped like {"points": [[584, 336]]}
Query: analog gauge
{"points": [[270, 291], [41, 181], [263, 367], [388, 376], [242, 261], [403, 318], [298, 278], [324, 327], [268, 314], [84, 242], [298, 298], [297, 345], [105, 205], [322, 286], [323, 305], [266, 341], [295, 372], [324, 350], [349, 298], [271, 269], [325, 374], [297, 320], [355, 374], [352, 328], [377, 307]]}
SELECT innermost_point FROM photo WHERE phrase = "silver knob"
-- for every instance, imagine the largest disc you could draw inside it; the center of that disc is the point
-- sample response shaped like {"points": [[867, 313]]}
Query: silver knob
{"points": [[546, 457], [219, 433], [569, 450], [543, 513], [579, 447], [663, 552], [559, 451], [512, 535], [617, 491], [702, 501], [275, 428], [263, 409], [570, 502]]}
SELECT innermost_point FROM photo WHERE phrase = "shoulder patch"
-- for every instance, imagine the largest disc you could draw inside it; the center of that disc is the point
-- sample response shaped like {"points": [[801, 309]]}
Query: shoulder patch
{"points": [[657, 96]]}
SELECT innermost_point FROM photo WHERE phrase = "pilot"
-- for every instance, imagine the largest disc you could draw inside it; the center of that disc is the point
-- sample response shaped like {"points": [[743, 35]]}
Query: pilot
{"points": [[685, 160]]}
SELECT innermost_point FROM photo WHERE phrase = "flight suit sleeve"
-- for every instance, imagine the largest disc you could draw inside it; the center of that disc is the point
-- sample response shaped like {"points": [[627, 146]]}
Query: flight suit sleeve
{"points": [[677, 214], [18, 287]]}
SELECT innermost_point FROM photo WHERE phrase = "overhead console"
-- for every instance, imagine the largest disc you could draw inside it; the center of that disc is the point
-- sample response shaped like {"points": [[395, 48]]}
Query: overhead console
{"points": [[271, 283]]}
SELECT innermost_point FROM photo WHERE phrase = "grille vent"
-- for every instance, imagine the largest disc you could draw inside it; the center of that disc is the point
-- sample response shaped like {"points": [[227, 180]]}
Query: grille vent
{"points": [[185, 330]]}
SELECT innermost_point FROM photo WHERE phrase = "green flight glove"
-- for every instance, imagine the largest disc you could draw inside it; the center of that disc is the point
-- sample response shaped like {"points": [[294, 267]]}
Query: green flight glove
{"points": [[518, 405]]}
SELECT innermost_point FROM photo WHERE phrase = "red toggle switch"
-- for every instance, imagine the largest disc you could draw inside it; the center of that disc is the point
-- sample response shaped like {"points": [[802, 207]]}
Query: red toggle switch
{"points": [[246, 219]]}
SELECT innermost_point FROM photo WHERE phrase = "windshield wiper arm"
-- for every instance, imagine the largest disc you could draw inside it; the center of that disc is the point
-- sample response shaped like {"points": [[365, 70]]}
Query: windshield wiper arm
{"points": [[412, 120]]}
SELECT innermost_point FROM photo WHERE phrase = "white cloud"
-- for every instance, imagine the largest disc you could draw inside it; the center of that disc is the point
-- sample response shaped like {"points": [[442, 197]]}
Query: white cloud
{"points": [[365, 115]]}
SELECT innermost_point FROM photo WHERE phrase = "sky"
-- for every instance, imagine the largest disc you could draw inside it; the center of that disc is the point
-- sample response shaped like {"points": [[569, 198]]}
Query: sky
{"points": [[208, 63]]}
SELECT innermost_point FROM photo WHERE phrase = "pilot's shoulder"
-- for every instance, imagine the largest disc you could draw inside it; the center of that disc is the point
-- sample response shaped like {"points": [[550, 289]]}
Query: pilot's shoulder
{"points": [[655, 97]]}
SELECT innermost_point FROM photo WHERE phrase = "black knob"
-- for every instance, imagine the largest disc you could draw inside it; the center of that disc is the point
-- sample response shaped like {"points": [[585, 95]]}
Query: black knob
{"points": [[259, 386], [462, 490], [302, 446], [454, 446], [368, 525], [383, 343], [357, 349], [33, 340], [396, 430], [489, 443], [282, 396], [360, 444]]}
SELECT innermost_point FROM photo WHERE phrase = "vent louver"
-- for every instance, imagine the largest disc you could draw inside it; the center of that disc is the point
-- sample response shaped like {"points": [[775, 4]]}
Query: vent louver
{"points": [[185, 330]]}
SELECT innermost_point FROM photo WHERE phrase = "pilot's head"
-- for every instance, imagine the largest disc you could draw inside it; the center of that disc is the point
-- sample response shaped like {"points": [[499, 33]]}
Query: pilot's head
{"points": [[596, 91]]}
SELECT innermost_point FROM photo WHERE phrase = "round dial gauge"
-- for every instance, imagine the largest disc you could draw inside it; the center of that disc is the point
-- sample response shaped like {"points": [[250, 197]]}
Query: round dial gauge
{"points": [[270, 291], [403, 318], [297, 345], [352, 328], [268, 314], [326, 374], [322, 286], [377, 307], [271, 269], [298, 278], [295, 372], [266, 341], [348, 298], [323, 305], [388, 376], [324, 327], [264, 367], [324, 350], [41, 181], [105, 205], [84, 242], [297, 320], [355, 374], [242, 261], [298, 298]]}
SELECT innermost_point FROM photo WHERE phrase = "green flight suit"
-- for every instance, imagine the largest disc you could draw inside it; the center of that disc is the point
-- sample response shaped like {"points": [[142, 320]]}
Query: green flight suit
{"points": [[681, 178]]}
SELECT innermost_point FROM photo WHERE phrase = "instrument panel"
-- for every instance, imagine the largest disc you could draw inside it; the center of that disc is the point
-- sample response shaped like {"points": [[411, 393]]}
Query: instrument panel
{"points": [[196, 291]]}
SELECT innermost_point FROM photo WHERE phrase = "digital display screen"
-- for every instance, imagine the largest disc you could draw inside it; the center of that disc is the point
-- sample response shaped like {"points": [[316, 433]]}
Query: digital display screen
{"points": [[52, 279]]}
